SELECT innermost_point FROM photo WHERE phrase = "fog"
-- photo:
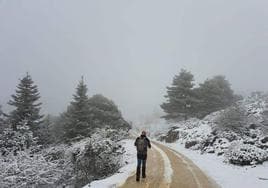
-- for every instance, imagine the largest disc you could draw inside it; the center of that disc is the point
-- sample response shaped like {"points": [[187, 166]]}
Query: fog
{"points": [[130, 50]]}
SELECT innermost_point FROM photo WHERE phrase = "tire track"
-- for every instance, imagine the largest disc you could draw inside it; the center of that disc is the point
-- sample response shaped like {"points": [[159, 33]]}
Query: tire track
{"points": [[155, 172], [169, 169], [186, 173]]}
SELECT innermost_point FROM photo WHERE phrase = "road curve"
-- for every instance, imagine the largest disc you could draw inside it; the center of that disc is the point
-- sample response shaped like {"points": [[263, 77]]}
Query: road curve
{"points": [[184, 173]]}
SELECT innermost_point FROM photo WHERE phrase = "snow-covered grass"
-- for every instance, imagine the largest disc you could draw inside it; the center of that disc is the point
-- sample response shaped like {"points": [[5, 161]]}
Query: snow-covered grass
{"points": [[226, 175], [129, 165]]}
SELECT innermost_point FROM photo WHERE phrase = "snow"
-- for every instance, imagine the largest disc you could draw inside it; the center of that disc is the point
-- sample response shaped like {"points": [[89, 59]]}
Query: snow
{"points": [[240, 153], [189, 168], [226, 175], [168, 169], [127, 170]]}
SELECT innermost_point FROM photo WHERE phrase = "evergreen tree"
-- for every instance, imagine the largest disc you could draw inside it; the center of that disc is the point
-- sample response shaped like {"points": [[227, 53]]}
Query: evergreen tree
{"points": [[215, 94], [180, 96], [27, 107], [77, 117], [44, 133], [104, 112], [2, 122]]}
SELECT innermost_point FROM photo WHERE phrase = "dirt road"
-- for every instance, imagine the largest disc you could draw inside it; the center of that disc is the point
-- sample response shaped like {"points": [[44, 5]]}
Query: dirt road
{"points": [[167, 168]]}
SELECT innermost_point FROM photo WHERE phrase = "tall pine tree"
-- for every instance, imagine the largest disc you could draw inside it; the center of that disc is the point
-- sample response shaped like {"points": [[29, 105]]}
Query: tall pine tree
{"points": [[77, 117], [27, 105], [180, 97]]}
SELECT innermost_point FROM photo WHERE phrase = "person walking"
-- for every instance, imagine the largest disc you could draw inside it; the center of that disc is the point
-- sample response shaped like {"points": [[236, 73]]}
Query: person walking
{"points": [[142, 143]]}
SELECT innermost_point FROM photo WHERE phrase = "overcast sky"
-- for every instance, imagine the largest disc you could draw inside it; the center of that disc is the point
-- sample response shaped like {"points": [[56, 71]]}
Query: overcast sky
{"points": [[129, 50]]}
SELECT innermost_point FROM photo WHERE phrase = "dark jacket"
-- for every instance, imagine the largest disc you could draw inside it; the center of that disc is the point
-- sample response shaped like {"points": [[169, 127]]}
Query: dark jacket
{"points": [[148, 144]]}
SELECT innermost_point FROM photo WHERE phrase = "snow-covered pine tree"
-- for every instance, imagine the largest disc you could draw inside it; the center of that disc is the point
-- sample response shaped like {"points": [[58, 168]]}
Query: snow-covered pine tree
{"points": [[27, 105], [77, 117], [180, 97]]}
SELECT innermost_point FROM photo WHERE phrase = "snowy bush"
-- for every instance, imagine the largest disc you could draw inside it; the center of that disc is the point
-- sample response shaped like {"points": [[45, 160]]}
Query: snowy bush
{"points": [[12, 141], [245, 154], [99, 159], [172, 135], [26, 170], [192, 144], [91, 158], [72, 165], [232, 121]]}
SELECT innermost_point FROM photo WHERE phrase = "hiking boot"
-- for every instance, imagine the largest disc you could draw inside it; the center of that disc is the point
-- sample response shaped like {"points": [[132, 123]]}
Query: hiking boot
{"points": [[143, 176], [137, 179]]}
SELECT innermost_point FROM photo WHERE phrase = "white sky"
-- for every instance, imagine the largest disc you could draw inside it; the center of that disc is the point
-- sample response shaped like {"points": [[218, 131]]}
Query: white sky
{"points": [[130, 50]]}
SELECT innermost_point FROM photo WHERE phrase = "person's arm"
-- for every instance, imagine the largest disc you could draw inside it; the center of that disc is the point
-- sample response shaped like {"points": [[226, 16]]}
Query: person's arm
{"points": [[135, 144], [149, 143]]}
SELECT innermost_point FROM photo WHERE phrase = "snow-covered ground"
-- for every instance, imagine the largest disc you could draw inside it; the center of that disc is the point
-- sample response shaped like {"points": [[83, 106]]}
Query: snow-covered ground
{"points": [[126, 171], [213, 161], [226, 175]]}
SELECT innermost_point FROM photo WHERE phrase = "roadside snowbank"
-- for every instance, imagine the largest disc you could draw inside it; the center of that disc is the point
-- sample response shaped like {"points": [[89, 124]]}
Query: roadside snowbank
{"points": [[127, 170], [168, 169], [226, 175]]}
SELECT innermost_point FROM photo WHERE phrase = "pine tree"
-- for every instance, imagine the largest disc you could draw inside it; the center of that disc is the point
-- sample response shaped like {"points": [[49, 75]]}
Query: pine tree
{"points": [[2, 122], [180, 97], [44, 133], [27, 107], [104, 112], [77, 117], [1, 115], [215, 94]]}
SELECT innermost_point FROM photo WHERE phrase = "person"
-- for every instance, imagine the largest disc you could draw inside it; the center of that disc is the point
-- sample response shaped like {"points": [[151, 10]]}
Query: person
{"points": [[142, 143]]}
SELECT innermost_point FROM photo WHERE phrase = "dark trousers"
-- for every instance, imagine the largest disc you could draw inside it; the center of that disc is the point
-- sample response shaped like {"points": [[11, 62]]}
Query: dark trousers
{"points": [[141, 163]]}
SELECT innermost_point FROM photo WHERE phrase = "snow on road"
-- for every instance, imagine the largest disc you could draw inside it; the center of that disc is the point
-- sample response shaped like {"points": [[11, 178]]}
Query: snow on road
{"points": [[227, 175], [165, 169], [168, 171]]}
